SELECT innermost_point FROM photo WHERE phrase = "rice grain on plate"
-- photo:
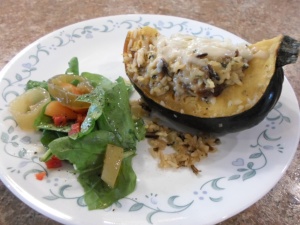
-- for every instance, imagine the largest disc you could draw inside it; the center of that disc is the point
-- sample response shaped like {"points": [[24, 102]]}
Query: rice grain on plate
{"points": [[186, 149]]}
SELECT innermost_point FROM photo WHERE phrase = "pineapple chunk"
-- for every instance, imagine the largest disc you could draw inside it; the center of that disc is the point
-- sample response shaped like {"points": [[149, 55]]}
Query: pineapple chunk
{"points": [[112, 163]]}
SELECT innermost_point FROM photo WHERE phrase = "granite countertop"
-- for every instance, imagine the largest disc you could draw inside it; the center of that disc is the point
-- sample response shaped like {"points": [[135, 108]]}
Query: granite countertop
{"points": [[22, 22]]}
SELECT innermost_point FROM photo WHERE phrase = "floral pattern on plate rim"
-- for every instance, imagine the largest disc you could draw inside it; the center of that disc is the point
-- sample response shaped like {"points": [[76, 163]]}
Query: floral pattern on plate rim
{"points": [[211, 190]]}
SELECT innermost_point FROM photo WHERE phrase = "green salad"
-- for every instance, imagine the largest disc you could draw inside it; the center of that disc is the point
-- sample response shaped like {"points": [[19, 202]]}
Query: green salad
{"points": [[86, 120]]}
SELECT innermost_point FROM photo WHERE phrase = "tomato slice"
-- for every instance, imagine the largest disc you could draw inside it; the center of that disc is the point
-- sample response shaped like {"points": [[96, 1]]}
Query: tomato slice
{"points": [[54, 162]]}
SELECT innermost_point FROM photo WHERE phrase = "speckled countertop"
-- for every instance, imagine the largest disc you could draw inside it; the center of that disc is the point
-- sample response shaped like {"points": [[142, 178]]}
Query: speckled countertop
{"points": [[22, 22]]}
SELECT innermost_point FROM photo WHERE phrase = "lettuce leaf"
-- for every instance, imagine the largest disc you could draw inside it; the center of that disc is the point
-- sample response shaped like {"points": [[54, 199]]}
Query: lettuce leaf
{"points": [[117, 118], [83, 152], [33, 84], [49, 135], [98, 195], [87, 155], [73, 66], [97, 100], [98, 80]]}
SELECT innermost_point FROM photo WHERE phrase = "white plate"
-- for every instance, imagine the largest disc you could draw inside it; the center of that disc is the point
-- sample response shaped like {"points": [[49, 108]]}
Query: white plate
{"points": [[247, 165]]}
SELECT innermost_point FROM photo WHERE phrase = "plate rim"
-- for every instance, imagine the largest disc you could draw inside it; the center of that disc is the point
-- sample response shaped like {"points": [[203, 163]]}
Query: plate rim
{"points": [[25, 49]]}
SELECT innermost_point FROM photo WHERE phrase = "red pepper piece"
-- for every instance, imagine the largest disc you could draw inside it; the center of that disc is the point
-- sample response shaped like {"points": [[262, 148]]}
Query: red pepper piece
{"points": [[59, 121], [40, 175], [75, 128], [54, 162]]}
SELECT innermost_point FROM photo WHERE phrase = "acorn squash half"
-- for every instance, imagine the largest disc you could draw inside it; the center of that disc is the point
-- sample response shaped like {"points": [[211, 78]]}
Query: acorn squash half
{"points": [[232, 107]]}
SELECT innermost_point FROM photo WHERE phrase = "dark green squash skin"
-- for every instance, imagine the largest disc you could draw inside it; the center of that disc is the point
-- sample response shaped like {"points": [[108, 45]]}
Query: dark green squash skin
{"points": [[229, 124]]}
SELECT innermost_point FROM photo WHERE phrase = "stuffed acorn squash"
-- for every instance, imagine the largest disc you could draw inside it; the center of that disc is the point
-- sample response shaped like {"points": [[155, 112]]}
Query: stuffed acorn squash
{"points": [[214, 86]]}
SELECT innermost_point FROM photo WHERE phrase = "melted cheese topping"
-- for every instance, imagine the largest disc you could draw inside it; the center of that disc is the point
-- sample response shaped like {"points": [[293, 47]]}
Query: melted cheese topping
{"points": [[184, 48]]}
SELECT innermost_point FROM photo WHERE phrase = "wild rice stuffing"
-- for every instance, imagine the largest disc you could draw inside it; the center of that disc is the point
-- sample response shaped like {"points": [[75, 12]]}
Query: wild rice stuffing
{"points": [[188, 65], [188, 149]]}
